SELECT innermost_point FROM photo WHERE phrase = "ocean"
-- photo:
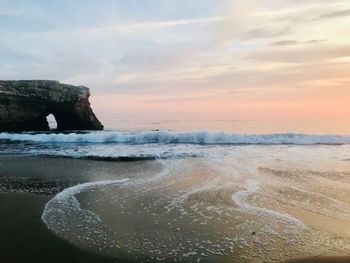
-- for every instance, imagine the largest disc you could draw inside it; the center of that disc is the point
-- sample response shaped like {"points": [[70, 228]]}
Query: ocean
{"points": [[190, 191]]}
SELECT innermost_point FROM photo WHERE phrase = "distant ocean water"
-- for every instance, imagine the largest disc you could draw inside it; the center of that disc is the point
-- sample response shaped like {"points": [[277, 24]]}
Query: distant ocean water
{"points": [[172, 138], [341, 126]]}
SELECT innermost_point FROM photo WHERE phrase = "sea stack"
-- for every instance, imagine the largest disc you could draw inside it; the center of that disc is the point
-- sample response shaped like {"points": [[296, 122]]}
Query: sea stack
{"points": [[25, 104]]}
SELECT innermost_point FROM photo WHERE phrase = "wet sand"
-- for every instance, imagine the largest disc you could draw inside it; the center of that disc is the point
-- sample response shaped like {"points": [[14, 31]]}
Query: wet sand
{"points": [[25, 238], [27, 183], [340, 259], [225, 208]]}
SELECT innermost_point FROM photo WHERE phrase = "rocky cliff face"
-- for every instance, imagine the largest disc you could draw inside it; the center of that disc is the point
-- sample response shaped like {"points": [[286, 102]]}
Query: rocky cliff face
{"points": [[25, 104]]}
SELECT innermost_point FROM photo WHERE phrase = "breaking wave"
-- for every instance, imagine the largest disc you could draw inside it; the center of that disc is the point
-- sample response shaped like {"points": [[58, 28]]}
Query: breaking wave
{"points": [[166, 137]]}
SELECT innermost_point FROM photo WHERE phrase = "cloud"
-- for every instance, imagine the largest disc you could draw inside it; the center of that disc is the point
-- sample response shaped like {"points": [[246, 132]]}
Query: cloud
{"points": [[266, 32], [285, 43], [336, 14], [306, 54]]}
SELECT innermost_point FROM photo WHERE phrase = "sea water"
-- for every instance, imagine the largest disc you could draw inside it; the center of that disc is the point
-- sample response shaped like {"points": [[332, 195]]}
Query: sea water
{"points": [[197, 196]]}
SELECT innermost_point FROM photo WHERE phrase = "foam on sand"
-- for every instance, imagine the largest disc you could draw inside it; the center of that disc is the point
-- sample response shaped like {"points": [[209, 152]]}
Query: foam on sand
{"points": [[64, 208], [251, 187], [66, 199]]}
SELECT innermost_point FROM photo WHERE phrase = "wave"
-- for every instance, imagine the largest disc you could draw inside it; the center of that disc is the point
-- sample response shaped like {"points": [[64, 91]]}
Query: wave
{"points": [[166, 137]]}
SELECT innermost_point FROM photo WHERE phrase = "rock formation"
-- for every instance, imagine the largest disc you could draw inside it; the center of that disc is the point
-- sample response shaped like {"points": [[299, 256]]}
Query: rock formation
{"points": [[25, 104]]}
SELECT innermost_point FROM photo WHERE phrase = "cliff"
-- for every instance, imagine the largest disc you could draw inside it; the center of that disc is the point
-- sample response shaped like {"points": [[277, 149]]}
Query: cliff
{"points": [[25, 104]]}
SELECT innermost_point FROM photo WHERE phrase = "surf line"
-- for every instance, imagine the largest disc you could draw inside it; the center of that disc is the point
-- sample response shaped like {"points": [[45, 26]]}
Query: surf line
{"points": [[66, 201], [252, 187]]}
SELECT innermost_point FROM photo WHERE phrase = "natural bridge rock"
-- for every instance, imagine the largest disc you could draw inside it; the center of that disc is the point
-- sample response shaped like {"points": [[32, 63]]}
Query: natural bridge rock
{"points": [[25, 104]]}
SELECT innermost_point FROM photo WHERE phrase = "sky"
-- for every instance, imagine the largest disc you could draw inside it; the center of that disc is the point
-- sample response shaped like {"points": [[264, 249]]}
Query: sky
{"points": [[187, 59]]}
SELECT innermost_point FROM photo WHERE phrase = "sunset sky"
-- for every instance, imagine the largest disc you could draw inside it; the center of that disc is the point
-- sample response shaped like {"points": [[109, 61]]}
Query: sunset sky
{"points": [[187, 59]]}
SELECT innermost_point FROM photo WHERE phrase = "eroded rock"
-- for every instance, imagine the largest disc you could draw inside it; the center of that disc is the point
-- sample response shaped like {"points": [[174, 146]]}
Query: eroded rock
{"points": [[24, 105]]}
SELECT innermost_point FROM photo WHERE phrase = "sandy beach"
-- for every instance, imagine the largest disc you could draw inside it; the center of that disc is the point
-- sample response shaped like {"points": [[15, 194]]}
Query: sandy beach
{"points": [[228, 209], [25, 238], [340, 259]]}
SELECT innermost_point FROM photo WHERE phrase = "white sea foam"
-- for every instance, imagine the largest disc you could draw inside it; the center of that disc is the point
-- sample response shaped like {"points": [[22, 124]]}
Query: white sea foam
{"points": [[64, 208], [66, 198], [166, 137], [251, 187]]}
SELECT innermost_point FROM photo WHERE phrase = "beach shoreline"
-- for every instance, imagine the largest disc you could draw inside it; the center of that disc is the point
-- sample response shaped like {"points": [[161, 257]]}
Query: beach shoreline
{"points": [[27, 183], [25, 238]]}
